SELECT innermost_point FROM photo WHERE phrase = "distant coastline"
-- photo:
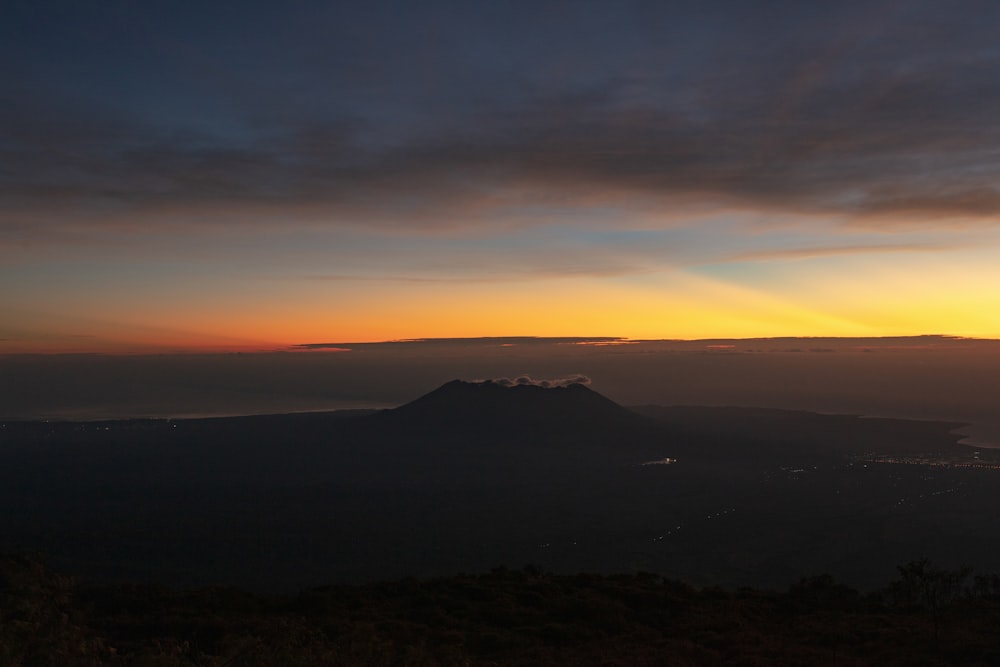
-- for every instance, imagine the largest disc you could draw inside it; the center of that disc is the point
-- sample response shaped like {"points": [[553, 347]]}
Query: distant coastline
{"points": [[940, 378]]}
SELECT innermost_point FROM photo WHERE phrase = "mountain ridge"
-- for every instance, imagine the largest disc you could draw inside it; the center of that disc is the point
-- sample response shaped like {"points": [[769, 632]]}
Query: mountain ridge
{"points": [[464, 405]]}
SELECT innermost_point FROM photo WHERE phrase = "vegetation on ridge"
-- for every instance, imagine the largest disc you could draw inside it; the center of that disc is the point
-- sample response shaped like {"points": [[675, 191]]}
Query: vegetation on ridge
{"points": [[929, 616]]}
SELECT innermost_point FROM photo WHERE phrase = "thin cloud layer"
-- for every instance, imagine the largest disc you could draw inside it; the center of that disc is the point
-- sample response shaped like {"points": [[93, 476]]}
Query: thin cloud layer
{"points": [[829, 251]]}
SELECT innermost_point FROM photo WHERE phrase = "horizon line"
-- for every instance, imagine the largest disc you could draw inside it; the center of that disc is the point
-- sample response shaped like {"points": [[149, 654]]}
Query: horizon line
{"points": [[500, 341]]}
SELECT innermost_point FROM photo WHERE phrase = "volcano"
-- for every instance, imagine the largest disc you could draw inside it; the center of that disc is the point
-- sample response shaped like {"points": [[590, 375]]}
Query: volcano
{"points": [[493, 407]]}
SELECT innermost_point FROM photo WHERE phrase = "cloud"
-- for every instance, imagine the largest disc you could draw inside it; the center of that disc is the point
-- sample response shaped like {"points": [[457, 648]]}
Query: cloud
{"points": [[485, 341], [886, 118], [830, 251], [544, 167], [525, 380], [529, 274]]}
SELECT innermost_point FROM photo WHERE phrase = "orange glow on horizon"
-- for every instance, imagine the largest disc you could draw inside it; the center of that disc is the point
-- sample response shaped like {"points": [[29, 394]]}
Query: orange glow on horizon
{"points": [[872, 299]]}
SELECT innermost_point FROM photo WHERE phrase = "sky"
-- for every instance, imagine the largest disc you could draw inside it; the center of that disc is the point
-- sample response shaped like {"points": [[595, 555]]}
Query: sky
{"points": [[222, 176]]}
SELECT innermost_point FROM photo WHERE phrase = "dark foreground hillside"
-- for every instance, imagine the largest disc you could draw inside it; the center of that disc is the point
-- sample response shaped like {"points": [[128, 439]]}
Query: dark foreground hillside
{"points": [[929, 616]]}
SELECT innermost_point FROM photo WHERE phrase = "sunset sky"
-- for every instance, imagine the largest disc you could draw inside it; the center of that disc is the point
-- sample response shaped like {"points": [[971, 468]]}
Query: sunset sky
{"points": [[260, 175]]}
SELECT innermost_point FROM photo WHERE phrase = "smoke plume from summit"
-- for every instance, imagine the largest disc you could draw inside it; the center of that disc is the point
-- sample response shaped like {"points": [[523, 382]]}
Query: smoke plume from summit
{"points": [[548, 384]]}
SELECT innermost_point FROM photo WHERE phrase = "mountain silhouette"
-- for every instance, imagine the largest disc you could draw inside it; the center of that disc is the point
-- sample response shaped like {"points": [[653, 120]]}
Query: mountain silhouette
{"points": [[489, 406]]}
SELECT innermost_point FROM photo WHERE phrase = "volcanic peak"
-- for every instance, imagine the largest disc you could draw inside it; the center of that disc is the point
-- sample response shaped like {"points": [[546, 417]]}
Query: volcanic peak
{"points": [[488, 403]]}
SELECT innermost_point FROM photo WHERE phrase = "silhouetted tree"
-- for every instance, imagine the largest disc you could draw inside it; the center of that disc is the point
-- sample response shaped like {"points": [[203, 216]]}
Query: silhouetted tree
{"points": [[986, 586], [923, 585], [823, 592]]}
